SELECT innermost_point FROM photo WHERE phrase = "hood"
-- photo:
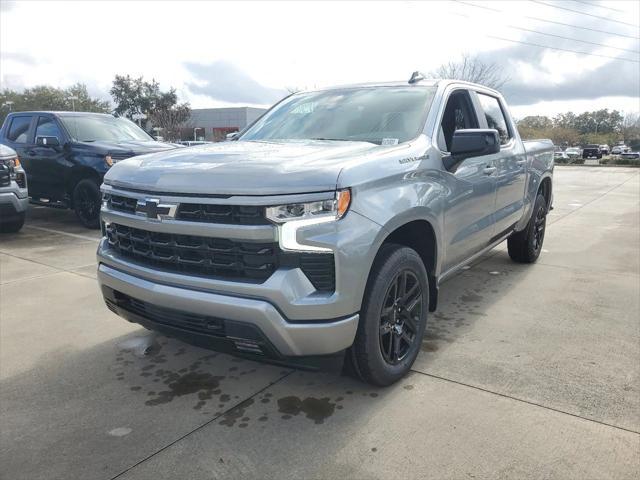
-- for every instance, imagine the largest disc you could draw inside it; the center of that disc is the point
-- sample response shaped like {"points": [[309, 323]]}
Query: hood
{"points": [[136, 146], [241, 168], [7, 152]]}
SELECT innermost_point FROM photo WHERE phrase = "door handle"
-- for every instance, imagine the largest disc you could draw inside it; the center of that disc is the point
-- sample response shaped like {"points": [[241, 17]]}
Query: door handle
{"points": [[489, 170], [521, 162]]}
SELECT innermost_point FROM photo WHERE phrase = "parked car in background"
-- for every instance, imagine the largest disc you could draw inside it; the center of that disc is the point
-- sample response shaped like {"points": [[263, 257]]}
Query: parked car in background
{"points": [[573, 152], [590, 151], [560, 155], [191, 143], [605, 150], [630, 155], [328, 226], [619, 149], [14, 199], [66, 154]]}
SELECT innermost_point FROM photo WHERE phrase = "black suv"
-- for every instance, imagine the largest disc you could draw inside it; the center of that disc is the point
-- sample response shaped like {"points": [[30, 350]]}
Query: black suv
{"points": [[591, 151], [66, 154]]}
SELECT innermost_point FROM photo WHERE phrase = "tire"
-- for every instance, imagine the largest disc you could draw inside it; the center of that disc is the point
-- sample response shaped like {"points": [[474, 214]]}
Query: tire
{"points": [[14, 225], [86, 203], [525, 246], [390, 332]]}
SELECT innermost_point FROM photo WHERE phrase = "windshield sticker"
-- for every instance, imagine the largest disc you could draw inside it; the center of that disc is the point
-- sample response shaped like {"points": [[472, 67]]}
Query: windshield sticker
{"points": [[389, 141]]}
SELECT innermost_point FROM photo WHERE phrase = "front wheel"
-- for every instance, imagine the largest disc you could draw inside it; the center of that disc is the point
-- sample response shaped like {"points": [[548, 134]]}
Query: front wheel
{"points": [[393, 316], [86, 203], [14, 225], [525, 246]]}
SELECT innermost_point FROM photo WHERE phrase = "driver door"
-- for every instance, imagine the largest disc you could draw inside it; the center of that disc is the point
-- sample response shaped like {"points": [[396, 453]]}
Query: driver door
{"points": [[48, 163], [470, 204]]}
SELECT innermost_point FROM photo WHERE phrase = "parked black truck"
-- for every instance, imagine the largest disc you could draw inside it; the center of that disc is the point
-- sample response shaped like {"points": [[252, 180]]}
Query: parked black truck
{"points": [[66, 154]]}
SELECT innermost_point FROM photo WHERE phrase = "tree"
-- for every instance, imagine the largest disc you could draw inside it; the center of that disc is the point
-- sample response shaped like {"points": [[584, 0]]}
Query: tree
{"points": [[44, 97], [134, 96], [535, 122], [630, 129], [169, 115], [473, 69]]}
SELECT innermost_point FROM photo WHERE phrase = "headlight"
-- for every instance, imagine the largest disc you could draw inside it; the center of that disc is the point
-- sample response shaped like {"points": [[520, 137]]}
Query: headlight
{"points": [[333, 209], [293, 216]]}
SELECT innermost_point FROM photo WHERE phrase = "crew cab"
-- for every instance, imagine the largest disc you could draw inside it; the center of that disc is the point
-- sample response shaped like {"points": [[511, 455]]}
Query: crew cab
{"points": [[66, 154], [326, 228]]}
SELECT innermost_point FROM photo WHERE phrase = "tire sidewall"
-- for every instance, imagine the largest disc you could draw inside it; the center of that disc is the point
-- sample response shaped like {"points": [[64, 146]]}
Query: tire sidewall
{"points": [[399, 259], [534, 253], [93, 222]]}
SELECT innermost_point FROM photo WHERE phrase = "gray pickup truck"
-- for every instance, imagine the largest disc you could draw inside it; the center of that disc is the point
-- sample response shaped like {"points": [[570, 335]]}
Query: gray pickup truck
{"points": [[14, 198], [326, 228]]}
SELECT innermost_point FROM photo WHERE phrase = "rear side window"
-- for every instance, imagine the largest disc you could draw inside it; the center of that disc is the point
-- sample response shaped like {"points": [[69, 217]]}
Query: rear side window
{"points": [[47, 127], [495, 116], [19, 129]]}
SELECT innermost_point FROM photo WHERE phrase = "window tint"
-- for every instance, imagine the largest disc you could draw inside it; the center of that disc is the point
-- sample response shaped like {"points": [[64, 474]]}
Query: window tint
{"points": [[19, 129], [47, 127], [458, 115], [495, 117]]}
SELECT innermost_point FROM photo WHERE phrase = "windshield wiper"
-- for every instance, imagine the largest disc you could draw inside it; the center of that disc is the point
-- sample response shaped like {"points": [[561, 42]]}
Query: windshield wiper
{"points": [[332, 139]]}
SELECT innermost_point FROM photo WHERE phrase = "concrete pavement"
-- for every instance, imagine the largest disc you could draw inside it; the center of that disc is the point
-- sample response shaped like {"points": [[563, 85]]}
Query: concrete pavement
{"points": [[526, 371]]}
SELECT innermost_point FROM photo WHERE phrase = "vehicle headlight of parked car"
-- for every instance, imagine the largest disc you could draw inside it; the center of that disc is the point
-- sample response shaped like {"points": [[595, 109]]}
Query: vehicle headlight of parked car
{"points": [[291, 217]]}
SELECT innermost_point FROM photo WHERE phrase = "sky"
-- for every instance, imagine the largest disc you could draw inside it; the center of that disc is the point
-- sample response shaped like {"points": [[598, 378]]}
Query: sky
{"points": [[249, 53]]}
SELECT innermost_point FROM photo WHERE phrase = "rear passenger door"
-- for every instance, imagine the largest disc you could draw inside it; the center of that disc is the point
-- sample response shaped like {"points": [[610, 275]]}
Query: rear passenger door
{"points": [[510, 163]]}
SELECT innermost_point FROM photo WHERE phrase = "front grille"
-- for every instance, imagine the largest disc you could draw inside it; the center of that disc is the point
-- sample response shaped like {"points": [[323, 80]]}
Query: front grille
{"points": [[227, 214], [200, 212], [117, 156], [122, 204], [5, 176], [194, 255]]}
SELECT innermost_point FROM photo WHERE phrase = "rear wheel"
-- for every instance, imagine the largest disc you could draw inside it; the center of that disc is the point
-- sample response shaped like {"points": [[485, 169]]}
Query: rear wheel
{"points": [[393, 317], [13, 225], [525, 246], [86, 203]]}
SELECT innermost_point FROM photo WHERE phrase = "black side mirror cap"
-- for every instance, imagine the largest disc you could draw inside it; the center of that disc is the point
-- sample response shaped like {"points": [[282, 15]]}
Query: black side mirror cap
{"points": [[472, 142], [47, 141]]}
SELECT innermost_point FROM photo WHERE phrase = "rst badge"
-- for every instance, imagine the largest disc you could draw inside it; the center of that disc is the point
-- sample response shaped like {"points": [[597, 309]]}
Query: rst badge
{"points": [[154, 210]]}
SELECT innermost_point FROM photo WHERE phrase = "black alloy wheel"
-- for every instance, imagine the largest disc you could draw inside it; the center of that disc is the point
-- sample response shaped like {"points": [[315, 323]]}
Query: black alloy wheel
{"points": [[400, 316]]}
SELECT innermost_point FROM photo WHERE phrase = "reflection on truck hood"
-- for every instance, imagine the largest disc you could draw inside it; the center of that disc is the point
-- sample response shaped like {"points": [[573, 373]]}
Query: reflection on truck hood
{"points": [[136, 146], [240, 168]]}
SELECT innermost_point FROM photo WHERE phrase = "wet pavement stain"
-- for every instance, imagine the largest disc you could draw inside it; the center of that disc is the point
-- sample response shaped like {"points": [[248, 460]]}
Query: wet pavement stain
{"points": [[230, 418], [193, 382], [316, 409]]}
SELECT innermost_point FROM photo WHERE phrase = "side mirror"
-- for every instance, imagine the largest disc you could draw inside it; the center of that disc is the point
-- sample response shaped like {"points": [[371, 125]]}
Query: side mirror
{"points": [[232, 136], [47, 141], [472, 142]]}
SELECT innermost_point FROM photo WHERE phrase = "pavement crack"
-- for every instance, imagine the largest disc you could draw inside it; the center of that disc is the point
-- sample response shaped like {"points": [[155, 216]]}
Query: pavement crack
{"points": [[528, 402]]}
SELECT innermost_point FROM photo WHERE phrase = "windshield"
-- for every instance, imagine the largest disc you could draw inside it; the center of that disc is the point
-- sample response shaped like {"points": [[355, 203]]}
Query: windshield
{"points": [[381, 115], [92, 128]]}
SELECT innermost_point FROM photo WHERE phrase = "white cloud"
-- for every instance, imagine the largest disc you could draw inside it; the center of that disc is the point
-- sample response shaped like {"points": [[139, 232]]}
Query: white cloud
{"points": [[280, 44]]}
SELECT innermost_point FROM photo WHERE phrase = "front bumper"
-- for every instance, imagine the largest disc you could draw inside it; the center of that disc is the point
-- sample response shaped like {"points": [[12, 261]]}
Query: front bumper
{"points": [[220, 321], [13, 200]]}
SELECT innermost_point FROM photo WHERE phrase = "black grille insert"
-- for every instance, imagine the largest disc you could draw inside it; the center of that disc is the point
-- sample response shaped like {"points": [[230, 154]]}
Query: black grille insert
{"points": [[201, 212], [188, 254]]}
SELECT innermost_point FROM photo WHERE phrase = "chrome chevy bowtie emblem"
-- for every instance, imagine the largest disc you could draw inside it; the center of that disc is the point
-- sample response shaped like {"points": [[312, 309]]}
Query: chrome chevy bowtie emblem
{"points": [[154, 210]]}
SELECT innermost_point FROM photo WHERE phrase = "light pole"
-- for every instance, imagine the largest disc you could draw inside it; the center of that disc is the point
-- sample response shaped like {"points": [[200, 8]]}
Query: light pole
{"points": [[73, 99], [195, 138]]}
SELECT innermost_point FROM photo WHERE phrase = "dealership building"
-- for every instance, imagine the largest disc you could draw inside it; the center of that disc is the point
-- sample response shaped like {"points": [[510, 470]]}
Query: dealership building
{"points": [[213, 124]]}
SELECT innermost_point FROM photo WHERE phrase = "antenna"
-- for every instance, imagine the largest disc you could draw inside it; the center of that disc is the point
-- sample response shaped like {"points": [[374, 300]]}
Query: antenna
{"points": [[416, 77]]}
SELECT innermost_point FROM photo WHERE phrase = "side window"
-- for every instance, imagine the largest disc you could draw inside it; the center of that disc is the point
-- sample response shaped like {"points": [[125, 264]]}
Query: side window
{"points": [[47, 127], [19, 129], [495, 116], [458, 114]]}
